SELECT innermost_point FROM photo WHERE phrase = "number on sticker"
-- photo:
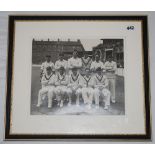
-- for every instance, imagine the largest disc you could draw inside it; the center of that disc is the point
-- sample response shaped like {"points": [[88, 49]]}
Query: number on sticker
{"points": [[130, 28]]}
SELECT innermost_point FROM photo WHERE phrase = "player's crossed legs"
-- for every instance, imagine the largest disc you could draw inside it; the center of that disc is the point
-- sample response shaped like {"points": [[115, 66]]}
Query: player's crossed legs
{"points": [[61, 92], [73, 91], [50, 92], [104, 94], [88, 94]]}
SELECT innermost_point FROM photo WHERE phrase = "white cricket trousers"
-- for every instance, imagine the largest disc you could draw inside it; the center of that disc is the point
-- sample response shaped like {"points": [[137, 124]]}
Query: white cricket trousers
{"points": [[60, 91], [87, 94], [70, 92], [112, 88], [49, 91], [105, 95]]}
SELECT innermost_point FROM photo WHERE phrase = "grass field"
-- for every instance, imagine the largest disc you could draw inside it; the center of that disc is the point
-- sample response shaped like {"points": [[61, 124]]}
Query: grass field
{"points": [[115, 109]]}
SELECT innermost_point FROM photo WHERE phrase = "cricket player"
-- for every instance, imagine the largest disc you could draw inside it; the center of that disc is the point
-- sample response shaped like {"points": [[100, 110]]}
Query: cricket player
{"points": [[86, 62], [46, 64], [61, 86], [101, 88], [48, 81], [74, 61], [61, 62], [96, 64], [111, 67], [87, 90], [74, 87]]}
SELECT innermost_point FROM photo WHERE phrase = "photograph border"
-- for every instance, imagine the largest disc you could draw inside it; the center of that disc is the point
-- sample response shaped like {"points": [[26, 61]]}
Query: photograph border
{"points": [[10, 69]]}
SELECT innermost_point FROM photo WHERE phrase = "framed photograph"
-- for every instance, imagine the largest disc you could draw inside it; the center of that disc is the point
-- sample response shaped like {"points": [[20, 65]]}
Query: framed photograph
{"points": [[78, 77]]}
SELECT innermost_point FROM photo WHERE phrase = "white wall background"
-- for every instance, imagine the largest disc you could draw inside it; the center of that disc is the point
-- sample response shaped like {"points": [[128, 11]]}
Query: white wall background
{"points": [[3, 56]]}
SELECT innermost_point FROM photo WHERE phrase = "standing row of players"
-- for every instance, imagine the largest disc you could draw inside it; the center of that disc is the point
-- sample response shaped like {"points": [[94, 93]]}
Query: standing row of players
{"points": [[78, 76]]}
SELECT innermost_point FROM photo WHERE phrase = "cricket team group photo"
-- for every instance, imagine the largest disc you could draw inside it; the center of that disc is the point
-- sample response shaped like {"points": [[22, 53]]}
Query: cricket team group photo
{"points": [[75, 81]]}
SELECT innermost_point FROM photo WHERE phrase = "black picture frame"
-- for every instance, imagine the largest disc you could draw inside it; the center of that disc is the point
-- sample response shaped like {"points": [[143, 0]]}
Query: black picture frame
{"points": [[143, 19]]}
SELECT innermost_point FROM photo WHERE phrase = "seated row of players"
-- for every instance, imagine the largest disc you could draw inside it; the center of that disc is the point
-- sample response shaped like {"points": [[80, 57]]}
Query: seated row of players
{"points": [[88, 86], [81, 64]]}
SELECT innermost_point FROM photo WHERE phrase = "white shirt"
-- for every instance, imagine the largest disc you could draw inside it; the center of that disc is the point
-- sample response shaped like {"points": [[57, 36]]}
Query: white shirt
{"points": [[48, 80], [74, 62], [110, 66], [86, 81], [60, 63], [74, 80], [86, 63], [45, 65], [100, 81], [95, 65], [61, 80]]}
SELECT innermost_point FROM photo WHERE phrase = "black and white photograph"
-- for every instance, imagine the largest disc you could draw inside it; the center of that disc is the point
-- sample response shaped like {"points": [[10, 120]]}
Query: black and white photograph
{"points": [[76, 76]]}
